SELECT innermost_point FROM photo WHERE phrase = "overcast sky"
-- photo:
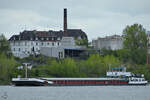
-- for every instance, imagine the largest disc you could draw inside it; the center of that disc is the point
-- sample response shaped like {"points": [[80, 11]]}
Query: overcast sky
{"points": [[97, 18]]}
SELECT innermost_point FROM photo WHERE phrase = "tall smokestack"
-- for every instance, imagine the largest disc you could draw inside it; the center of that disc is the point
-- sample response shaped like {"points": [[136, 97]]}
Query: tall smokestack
{"points": [[65, 20]]}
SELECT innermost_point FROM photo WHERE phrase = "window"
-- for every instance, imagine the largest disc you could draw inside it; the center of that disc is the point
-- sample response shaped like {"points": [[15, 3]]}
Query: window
{"points": [[58, 43], [18, 43], [14, 43], [48, 43], [36, 38], [58, 38], [36, 49], [52, 38], [42, 43], [25, 43], [36, 43], [60, 54], [31, 43], [53, 44], [19, 49], [14, 49]]}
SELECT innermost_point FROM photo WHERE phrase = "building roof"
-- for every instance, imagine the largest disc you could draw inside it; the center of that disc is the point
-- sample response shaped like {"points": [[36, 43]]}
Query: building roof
{"points": [[48, 35], [110, 37]]}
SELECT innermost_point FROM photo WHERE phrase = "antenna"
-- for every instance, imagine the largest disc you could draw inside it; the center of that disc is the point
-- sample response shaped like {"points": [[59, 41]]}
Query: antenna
{"points": [[147, 53], [25, 27]]}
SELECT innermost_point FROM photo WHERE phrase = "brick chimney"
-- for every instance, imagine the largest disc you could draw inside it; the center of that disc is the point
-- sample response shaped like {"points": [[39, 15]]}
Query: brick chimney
{"points": [[65, 21]]}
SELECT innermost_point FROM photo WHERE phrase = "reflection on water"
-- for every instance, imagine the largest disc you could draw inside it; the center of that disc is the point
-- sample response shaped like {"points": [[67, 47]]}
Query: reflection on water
{"points": [[75, 93]]}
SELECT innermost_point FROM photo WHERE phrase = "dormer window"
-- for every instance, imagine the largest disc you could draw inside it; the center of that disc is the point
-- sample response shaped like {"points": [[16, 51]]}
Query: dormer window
{"points": [[42, 38], [36, 38], [58, 38], [47, 38], [52, 38]]}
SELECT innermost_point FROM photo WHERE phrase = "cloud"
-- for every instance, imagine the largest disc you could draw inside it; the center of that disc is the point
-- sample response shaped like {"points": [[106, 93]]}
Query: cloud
{"points": [[95, 17], [14, 21], [109, 23]]}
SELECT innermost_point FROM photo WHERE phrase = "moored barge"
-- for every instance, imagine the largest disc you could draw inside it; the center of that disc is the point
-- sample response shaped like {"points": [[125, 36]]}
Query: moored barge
{"points": [[117, 76]]}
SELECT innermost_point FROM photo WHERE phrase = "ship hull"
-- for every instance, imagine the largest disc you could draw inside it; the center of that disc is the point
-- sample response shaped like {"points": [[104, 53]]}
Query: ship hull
{"points": [[88, 82], [74, 82], [30, 82], [27, 83]]}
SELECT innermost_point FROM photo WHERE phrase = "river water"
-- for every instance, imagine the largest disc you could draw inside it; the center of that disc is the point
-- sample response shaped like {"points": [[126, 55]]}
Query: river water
{"points": [[75, 93]]}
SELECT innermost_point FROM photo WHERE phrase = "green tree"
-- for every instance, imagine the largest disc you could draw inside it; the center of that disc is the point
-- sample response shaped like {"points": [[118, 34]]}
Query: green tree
{"points": [[135, 43], [64, 68], [4, 45], [81, 42], [93, 66], [7, 68], [111, 60]]}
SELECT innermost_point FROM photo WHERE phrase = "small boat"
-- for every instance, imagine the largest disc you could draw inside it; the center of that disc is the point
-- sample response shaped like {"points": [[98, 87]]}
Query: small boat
{"points": [[117, 76]]}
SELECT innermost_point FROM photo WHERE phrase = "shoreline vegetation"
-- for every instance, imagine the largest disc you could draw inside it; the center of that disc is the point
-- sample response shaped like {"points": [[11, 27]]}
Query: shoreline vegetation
{"points": [[95, 64]]}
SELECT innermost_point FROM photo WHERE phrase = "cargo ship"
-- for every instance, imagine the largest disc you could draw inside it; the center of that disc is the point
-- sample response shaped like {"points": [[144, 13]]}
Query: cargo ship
{"points": [[117, 76]]}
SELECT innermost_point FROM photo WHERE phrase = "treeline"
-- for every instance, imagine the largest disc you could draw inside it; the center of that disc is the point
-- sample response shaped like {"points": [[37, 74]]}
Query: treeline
{"points": [[94, 66]]}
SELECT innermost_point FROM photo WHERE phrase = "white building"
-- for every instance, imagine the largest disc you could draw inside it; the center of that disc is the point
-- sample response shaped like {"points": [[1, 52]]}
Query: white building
{"points": [[113, 42], [23, 48], [31, 42]]}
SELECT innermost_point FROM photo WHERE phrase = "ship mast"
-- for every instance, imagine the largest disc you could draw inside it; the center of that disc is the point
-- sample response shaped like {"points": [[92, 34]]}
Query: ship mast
{"points": [[147, 62]]}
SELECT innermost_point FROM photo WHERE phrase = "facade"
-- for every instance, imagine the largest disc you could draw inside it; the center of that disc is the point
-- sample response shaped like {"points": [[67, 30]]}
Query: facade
{"points": [[31, 42], [113, 42]]}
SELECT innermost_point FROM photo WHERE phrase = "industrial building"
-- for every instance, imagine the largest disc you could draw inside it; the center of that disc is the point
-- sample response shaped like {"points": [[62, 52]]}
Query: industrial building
{"points": [[113, 42]]}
